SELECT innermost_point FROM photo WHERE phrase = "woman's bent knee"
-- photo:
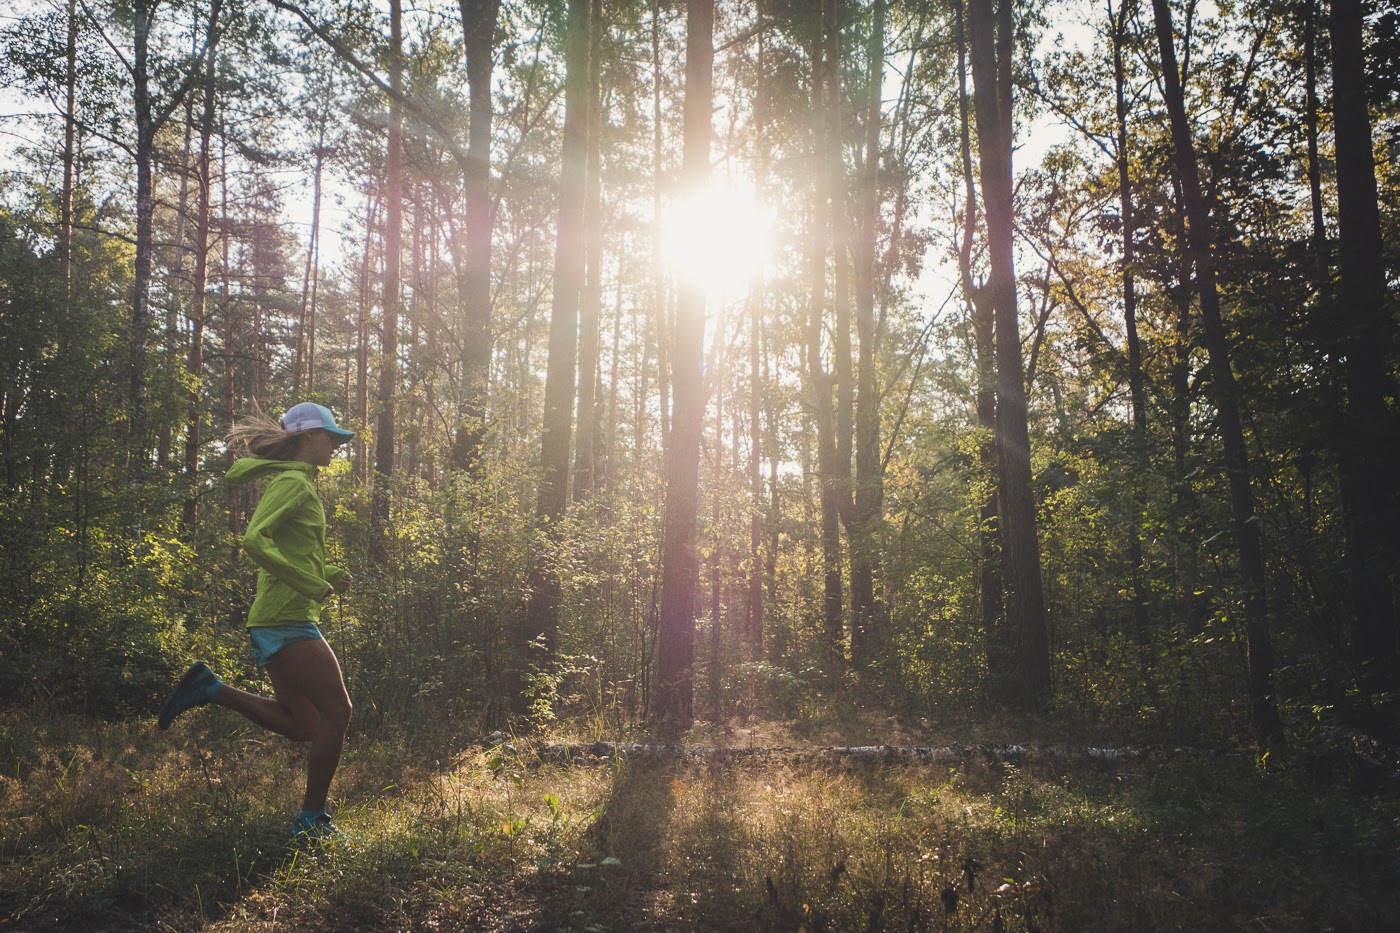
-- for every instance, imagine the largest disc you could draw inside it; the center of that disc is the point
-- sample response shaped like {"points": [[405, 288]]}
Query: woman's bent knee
{"points": [[338, 715]]}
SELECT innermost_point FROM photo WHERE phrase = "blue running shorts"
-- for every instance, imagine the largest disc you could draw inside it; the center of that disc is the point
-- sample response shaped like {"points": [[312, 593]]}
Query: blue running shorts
{"points": [[267, 640]]}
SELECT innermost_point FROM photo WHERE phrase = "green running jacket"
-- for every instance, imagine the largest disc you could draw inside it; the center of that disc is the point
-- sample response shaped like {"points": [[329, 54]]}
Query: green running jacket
{"points": [[286, 538]]}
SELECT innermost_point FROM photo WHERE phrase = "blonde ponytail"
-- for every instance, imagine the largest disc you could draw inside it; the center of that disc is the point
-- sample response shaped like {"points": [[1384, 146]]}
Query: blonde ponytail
{"points": [[260, 436]]}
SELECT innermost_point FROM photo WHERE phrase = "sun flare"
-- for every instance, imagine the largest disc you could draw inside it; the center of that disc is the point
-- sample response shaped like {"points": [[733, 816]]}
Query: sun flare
{"points": [[718, 238]]}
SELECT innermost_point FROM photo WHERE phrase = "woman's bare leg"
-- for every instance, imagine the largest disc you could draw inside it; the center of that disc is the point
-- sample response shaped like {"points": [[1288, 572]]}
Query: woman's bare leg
{"points": [[293, 716], [306, 673]]}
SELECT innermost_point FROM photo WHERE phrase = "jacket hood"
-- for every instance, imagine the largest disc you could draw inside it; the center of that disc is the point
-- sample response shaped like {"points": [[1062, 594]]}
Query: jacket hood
{"points": [[248, 469]]}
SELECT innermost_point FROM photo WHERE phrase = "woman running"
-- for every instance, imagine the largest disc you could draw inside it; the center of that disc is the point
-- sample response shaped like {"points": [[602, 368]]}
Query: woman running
{"points": [[286, 539]]}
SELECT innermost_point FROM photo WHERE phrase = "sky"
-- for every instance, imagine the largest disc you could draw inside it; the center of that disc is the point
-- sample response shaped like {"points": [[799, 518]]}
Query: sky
{"points": [[339, 201]]}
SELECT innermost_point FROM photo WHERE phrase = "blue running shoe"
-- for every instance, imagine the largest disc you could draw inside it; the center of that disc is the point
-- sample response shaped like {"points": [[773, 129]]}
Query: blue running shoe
{"points": [[196, 688], [314, 827]]}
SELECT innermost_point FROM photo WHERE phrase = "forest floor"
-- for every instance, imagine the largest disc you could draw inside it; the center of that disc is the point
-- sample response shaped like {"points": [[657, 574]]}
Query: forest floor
{"points": [[115, 826]]}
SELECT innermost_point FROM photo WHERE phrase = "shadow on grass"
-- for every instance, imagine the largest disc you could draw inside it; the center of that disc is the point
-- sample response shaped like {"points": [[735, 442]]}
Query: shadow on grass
{"points": [[619, 878]]}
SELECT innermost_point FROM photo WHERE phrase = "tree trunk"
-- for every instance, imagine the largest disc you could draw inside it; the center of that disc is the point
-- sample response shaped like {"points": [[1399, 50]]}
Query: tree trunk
{"points": [[820, 382], [143, 13], [661, 300], [1136, 393], [717, 491], [384, 434], [591, 300], [194, 365], [150, 118], [753, 629], [676, 635], [542, 617], [991, 33], [70, 158], [362, 322], [1264, 713], [474, 258], [1310, 119], [867, 636], [302, 379], [753, 623], [1368, 463], [997, 638]]}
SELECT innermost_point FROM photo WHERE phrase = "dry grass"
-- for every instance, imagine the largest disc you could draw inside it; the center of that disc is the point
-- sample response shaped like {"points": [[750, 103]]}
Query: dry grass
{"points": [[121, 827]]}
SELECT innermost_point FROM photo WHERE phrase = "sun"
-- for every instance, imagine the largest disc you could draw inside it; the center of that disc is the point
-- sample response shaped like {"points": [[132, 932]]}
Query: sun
{"points": [[718, 238]]}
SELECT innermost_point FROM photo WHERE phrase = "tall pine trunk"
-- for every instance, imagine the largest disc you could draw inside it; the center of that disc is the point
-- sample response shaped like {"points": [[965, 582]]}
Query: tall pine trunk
{"points": [[151, 117], [1368, 462], [867, 639], [195, 362], [474, 257], [996, 638], [303, 360], [1264, 713], [822, 383], [1119, 36], [384, 434], [679, 567], [991, 34], [591, 299], [542, 614], [70, 157]]}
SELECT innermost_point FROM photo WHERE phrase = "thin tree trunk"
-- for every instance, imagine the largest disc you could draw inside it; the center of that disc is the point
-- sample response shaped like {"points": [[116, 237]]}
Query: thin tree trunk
{"points": [[661, 300], [362, 322], [754, 623], [301, 360], [591, 298], [820, 382], [142, 16], [1264, 712], [235, 494], [676, 635], [774, 639], [150, 118], [1368, 465], [991, 34], [1128, 215], [753, 627], [175, 263], [479, 19], [717, 491], [384, 434], [70, 125], [195, 362], [867, 635], [607, 467], [1310, 119], [542, 616]]}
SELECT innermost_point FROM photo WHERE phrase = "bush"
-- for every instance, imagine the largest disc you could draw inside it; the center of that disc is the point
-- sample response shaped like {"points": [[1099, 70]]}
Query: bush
{"points": [[99, 661]]}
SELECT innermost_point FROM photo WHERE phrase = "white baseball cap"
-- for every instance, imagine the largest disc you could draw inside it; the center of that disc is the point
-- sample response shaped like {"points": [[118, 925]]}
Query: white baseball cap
{"points": [[305, 416]]}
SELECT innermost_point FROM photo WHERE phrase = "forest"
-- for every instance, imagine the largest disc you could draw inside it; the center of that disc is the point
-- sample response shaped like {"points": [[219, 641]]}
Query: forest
{"points": [[818, 464]]}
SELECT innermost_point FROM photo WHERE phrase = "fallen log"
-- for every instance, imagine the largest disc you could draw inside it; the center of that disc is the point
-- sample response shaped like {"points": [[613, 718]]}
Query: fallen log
{"points": [[607, 752]]}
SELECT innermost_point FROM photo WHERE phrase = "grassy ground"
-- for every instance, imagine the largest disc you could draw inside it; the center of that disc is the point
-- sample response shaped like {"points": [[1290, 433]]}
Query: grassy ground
{"points": [[116, 826]]}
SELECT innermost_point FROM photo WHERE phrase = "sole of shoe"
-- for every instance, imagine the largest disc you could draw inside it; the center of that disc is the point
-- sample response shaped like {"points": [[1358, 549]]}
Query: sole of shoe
{"points": [[167, 710]]}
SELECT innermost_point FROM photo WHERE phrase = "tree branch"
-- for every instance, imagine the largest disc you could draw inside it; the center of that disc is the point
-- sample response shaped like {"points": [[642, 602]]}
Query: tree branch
{"points": [[445, 136]]}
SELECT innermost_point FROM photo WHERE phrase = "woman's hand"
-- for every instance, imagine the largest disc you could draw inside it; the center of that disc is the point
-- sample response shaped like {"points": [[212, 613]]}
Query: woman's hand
{"points": [[344, 583]]}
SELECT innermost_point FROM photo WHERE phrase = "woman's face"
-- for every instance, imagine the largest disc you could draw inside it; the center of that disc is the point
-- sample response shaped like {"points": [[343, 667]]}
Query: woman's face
{"points": [[317, 447]]}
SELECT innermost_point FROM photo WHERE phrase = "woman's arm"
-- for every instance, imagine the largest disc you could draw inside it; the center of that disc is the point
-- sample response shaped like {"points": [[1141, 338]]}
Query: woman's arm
{"points": [[283, 499]]}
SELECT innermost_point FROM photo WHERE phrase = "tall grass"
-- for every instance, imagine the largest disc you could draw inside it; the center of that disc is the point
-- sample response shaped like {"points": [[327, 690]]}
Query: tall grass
{"points": [[105, 824]]}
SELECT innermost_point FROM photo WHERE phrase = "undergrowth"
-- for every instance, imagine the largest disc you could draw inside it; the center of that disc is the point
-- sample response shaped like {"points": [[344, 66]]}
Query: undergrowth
{"points": [[118, 826]]}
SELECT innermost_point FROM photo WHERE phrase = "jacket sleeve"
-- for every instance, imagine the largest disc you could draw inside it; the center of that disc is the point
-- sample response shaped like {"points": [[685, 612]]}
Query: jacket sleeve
{"points": [[279, 502], [335, 574]]}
